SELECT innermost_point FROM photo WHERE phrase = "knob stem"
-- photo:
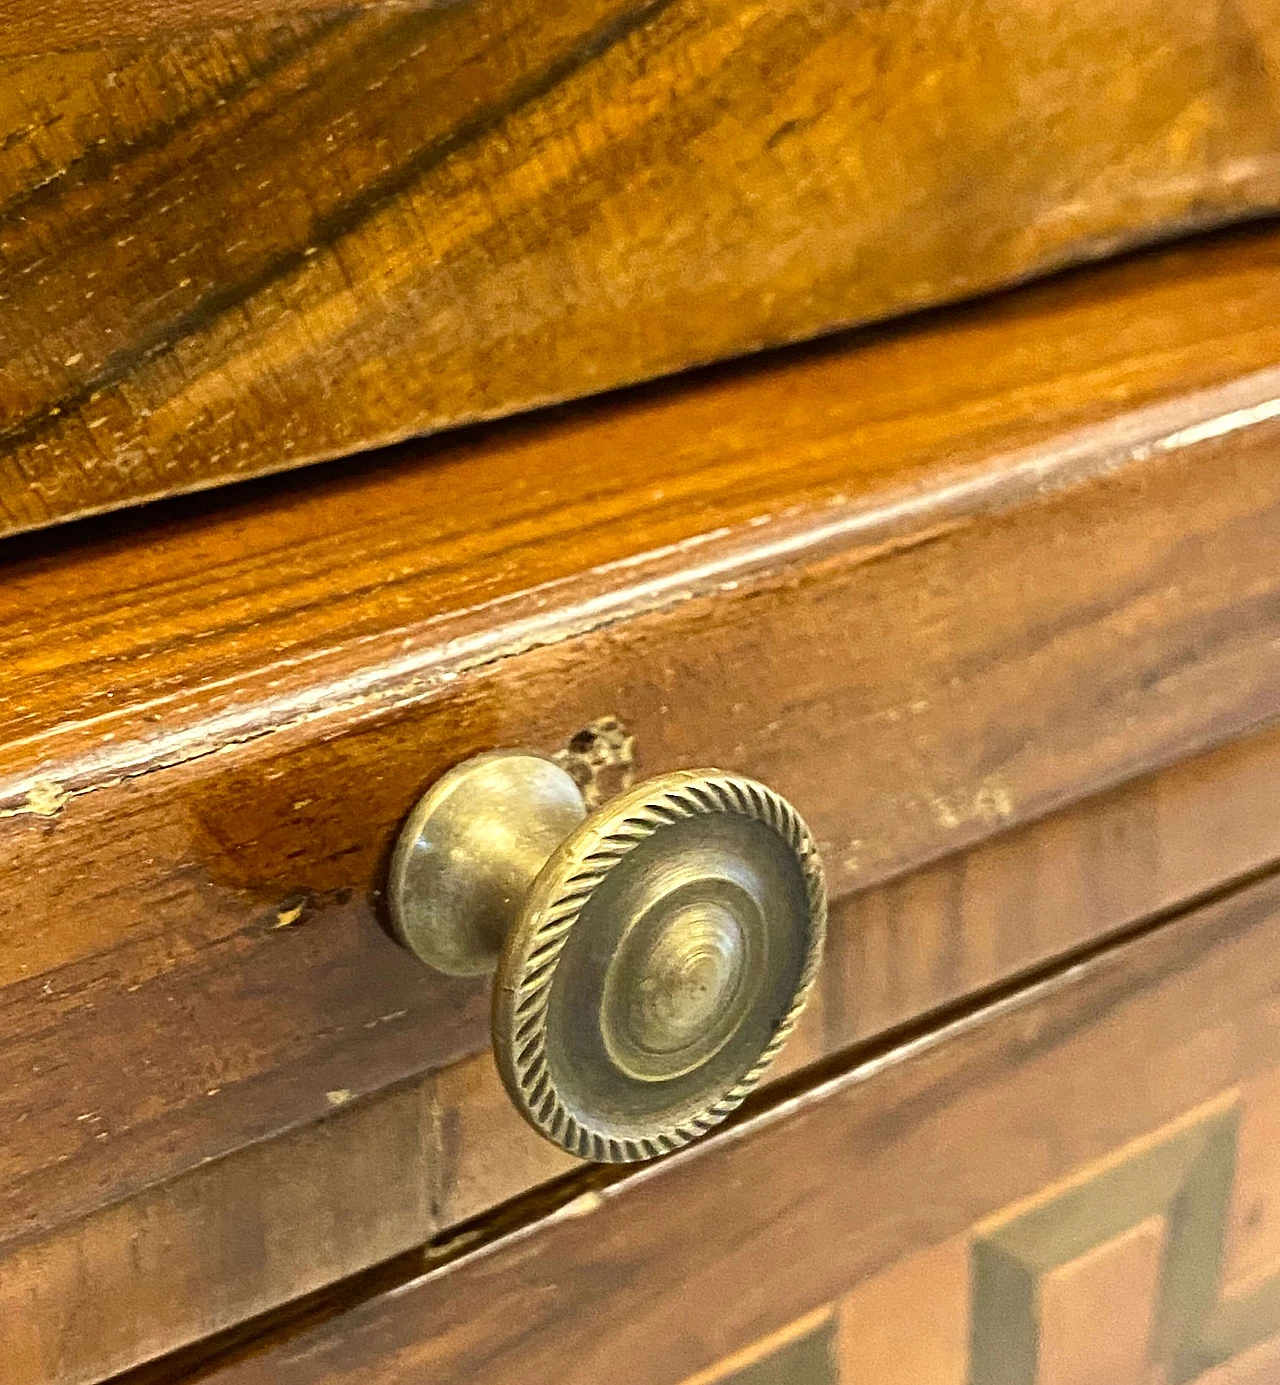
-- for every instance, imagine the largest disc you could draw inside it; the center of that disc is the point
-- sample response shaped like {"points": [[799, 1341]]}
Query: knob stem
{"points": [[471, 850]]}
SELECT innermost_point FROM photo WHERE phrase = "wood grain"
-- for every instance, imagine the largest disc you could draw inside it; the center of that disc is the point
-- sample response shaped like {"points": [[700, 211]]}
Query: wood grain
{"points": [[933, 584], [1033, 549], [226, 251], [28, 28], [953, 929], [319, 1084], [1016, 1125]]}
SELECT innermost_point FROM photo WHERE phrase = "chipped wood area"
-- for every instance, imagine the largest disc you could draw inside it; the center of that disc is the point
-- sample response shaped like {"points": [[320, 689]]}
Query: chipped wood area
{"points": [[44, 799], [315, 228], [601, 758]]}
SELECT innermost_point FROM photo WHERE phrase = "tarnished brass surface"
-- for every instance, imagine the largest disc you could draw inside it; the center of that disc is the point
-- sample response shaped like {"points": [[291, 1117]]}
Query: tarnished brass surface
{"points": [[470, 851], [651, 958]]}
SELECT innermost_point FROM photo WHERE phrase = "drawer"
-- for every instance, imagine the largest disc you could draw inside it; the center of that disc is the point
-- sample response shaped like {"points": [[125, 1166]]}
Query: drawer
{"points": [[237, 237], [1079, 1182], [991, 598]]}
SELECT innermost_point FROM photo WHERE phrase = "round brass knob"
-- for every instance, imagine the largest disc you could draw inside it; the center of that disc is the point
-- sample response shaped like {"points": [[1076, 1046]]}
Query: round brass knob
{"points": [[651, 957]]}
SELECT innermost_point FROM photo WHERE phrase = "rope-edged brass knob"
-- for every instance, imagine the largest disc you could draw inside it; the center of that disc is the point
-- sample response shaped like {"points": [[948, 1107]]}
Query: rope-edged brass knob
{"points": [[651, 957]]}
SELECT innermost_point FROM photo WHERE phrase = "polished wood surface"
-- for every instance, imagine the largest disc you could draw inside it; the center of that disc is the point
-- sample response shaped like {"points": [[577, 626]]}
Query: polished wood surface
{"points": [[1001, 558], [323, 1180], [311, 229], [1094, 1150], [916, 945], [931, 583]]}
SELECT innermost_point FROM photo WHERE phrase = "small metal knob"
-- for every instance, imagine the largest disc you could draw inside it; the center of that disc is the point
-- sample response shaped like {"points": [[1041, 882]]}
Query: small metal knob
{"points": [[651, 957]]}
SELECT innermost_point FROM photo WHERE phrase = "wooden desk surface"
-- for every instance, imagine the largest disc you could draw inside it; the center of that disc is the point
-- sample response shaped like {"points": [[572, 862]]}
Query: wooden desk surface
{"points": [[313, 229]]}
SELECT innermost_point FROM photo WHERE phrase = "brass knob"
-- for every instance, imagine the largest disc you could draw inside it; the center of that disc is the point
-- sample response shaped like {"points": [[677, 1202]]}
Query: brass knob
{"points": [[651, 957]]}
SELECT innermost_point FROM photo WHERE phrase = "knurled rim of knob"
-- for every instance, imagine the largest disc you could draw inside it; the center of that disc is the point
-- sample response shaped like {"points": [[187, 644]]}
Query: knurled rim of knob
{"points": [[527, 969]]}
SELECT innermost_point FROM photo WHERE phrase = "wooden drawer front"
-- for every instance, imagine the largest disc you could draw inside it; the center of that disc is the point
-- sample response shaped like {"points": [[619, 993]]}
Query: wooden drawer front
{"points": [[407, 1163], [241, 237], [1080, 1184], [1159, 1262], [994, 584]]}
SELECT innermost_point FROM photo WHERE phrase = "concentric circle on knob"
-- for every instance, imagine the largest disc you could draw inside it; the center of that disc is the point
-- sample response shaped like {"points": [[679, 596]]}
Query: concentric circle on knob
{"points": [[677, 988], [662, 957]]}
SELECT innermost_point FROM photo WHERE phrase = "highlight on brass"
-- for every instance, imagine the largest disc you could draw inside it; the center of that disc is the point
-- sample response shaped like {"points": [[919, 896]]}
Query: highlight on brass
{"points": [[651, 957]]}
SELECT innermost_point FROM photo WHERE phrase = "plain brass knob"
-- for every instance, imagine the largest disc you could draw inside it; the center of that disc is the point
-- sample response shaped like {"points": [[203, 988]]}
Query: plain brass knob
{"points": [[651, 957]]}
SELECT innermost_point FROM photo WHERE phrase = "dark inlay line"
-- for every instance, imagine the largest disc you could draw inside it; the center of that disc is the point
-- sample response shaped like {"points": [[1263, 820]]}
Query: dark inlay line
{"points": [[336, 224]]}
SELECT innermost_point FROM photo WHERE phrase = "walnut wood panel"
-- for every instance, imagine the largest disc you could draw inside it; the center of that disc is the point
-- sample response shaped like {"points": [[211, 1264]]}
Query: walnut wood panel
{"points": [[1115, 1275], [1112, 1276], [999, 1173], [949, 930], [230, 250], [383, 1153], [932, 584]]}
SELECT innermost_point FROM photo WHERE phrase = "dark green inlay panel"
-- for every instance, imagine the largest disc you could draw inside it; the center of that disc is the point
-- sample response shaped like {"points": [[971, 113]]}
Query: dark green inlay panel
{"points": [[1186, 1179], [809, 1360]]}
